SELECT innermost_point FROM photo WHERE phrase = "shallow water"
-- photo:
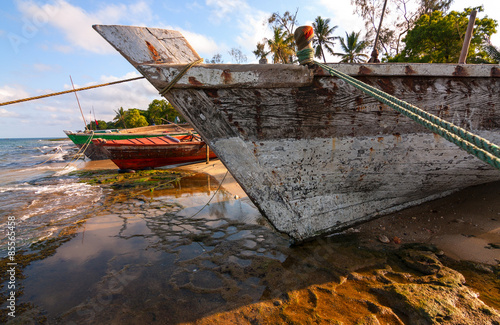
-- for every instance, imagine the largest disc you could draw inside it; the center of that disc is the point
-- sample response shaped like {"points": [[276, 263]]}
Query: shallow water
{"points": [[165, 250], [36, 190], [195, 253]]}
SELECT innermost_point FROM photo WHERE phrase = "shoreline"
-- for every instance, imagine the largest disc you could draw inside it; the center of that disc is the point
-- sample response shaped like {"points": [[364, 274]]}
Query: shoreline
{"points": [[460, 224], [174, 264]]}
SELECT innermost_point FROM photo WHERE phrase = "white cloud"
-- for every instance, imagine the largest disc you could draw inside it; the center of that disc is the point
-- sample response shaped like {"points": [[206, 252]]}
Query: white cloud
{"points": [[104, 100], [8, 93], [342, 16], [222, 8], [252, 29], [6, 113], [203, 45], [40, 67], [76, 23]]}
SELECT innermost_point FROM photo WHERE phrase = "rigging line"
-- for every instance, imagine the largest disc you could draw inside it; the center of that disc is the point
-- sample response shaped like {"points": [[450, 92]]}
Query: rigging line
{"points": [[69, 91], [78, 101]]}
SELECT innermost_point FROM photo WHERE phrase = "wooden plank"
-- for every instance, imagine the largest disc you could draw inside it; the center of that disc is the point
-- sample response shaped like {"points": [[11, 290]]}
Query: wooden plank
{"points": [[229, 75], [144, 45]]}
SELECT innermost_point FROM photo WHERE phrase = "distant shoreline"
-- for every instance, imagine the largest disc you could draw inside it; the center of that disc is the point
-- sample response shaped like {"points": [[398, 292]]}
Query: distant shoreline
{"points": [[44, 138]]}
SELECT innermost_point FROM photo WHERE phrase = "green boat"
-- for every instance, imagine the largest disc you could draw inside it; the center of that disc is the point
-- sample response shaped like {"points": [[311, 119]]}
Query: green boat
{"points": [[93, 152]]}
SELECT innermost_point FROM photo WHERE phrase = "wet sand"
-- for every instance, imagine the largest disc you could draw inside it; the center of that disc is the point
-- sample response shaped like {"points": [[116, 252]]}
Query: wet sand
{"points": [[463, 225], [200, 253]]}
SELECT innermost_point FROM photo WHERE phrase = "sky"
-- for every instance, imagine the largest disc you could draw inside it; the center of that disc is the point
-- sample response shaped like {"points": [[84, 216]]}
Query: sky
{"points": [[46, 44]]}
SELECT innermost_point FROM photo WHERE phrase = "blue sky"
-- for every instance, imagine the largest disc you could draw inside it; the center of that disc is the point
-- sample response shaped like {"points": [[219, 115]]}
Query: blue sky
{"points": [[43, 43]]}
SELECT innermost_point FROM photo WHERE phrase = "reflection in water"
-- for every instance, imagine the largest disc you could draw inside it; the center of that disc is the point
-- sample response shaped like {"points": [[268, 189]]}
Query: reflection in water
{"points": [[151, 251], [169, 258]]}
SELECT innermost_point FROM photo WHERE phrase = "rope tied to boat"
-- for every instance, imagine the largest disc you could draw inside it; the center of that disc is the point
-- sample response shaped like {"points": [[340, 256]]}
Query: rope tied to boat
{"points": [[69, 91], [178, 77], [470, 142]]}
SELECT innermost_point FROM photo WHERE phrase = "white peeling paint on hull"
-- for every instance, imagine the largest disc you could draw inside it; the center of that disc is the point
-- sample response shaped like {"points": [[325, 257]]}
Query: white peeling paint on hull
{"points": [[312, 152], [314, 186]]}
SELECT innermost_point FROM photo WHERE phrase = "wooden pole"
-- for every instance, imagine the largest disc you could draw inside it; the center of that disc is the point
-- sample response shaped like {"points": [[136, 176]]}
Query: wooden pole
{"points": [[374, 58], [468, 37], [208, 153]]}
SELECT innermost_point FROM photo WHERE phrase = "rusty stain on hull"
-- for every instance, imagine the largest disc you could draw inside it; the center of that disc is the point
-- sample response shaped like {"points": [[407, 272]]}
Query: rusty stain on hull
{"points": [[154, 53], [226, 76], [317, 155]]}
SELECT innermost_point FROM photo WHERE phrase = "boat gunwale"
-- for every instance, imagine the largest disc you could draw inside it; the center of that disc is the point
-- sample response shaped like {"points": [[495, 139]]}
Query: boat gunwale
{"points": [[451, 70]]}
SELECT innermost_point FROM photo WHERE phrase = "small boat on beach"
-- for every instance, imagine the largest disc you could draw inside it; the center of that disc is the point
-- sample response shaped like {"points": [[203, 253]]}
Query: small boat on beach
{"points": [[83, 139], [152, 152], [313, 152]]}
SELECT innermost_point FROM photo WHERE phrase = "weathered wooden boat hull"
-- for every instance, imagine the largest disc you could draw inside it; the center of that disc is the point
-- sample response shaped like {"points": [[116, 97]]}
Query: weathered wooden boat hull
{"points": [[315, 154], [93, 152], [143, 153]]}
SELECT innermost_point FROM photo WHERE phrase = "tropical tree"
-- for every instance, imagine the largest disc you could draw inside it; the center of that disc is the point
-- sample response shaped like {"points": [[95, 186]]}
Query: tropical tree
{"points": [[172, 115], [101, 125], [260, 52], [353, 48], [322, 37], [281, 45], [237, 55], [120, 114], [438, 38], [399, 17], [286, 22], [493, 52], [217, 58], [156, 111], [134, 119]]}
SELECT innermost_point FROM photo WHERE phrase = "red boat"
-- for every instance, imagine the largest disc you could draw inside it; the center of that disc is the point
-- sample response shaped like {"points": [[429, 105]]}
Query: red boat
{"points": [[143, 153]]}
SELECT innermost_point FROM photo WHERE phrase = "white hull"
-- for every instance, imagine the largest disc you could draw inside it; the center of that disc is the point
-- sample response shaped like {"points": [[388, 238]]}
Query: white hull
{"points": [[313, 153]]}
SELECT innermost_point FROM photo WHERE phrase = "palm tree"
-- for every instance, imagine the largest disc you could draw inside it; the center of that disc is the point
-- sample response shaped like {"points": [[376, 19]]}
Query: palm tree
{"points": [[260, 52], [323, 38], [352, 48], [120, 114], [281, 46], [493, 52]]}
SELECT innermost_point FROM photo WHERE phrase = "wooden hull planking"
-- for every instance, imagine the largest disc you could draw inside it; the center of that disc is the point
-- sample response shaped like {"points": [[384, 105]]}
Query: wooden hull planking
{"points": [[315, 154]]}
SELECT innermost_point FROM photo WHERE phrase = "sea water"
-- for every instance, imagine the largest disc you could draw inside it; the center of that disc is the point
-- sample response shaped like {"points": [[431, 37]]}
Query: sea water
{"points": [[37, 190]]}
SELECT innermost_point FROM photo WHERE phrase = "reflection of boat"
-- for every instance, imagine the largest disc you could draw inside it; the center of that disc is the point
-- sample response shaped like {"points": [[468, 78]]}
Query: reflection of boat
{"points": [[82, 139], [312, 152], [142, 153]]}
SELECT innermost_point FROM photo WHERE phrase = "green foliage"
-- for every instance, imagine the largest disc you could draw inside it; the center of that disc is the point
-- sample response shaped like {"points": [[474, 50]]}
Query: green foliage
{"points": [[323, 37], [160, 110], [260, 52], [134, 119], [119, 118], [353, 48], [281, 45], [493, 52], [156, 111], [101, 125], [438, 38], [400, 17]]}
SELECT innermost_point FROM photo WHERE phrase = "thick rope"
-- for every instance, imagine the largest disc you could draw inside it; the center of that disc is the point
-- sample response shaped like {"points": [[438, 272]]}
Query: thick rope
{"points": [[178, 77], [68, 91], [473, 144]]}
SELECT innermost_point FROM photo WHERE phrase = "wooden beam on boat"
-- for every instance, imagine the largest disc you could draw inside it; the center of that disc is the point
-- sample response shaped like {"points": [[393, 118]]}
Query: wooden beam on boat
{"points": [[143, 45]]}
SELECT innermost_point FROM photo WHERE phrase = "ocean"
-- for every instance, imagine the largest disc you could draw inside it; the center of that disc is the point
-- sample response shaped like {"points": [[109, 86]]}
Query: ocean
{"points": [[37, 190]]}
